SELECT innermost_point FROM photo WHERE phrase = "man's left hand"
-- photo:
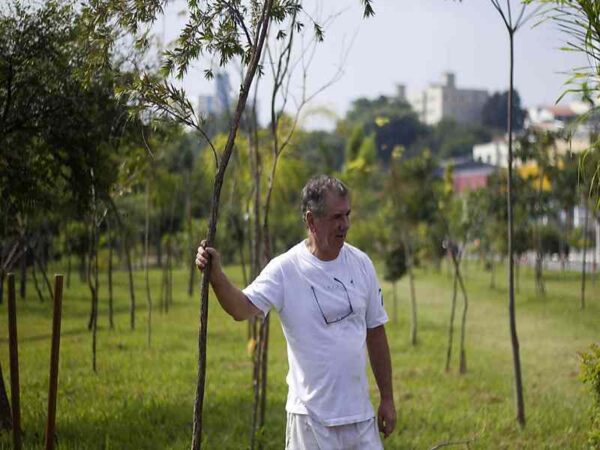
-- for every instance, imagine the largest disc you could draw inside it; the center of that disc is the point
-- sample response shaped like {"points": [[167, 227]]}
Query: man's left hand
{"points": [[386, 417]]}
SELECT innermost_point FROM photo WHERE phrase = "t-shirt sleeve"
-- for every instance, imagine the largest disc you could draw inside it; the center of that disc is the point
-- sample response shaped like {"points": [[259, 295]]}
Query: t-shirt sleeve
{"points": [[376, 314], [266, 291]]}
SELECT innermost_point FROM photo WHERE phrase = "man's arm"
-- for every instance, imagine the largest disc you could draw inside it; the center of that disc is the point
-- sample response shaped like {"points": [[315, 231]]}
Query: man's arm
{"points": [[231, 298], [379, 355]]}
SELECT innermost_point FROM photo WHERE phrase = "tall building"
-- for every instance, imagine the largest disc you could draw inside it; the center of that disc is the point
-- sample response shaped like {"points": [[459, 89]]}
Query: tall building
{"points": [[207, 106], [220, 102], [446, 101], [223, 91]]}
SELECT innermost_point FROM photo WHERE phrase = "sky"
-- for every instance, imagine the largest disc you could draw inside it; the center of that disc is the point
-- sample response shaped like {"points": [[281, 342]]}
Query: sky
{"points": [[413, 42]]}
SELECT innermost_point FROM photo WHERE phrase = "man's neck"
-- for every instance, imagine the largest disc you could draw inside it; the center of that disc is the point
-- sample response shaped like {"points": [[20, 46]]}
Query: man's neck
{"points": [[319, 252]]}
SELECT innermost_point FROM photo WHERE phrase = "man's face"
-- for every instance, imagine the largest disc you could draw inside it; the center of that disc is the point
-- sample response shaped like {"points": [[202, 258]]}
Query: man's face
{"points": [[330, 230]]}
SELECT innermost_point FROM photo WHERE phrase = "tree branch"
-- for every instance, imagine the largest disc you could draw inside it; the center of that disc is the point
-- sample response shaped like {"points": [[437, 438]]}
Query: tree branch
{"points": [[449, 443]]}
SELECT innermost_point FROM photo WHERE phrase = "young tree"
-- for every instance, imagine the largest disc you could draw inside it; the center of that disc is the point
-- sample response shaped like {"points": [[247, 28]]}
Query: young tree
{"points": [[462, 216], [109, 271], [512, 24], [538, 147], [565, 191], [395, 268], [411, 189], [94, 219]]}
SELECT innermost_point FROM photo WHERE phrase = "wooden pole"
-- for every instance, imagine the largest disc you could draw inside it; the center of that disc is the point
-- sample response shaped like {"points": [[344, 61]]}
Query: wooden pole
{"points": [[14, 363], [53, 385]]}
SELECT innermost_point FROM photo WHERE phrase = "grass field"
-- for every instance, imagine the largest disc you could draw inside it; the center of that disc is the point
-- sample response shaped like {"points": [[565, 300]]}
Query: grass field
{"points": [[142, 396]]}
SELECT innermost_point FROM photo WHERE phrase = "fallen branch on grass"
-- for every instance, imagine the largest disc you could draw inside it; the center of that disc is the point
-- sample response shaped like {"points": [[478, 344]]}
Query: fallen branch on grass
{"points": [[449, 443]]}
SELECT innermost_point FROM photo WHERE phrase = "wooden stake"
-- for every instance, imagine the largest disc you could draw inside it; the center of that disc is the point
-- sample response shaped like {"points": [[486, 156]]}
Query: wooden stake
{"points": [[14, 363], [53, 386]]}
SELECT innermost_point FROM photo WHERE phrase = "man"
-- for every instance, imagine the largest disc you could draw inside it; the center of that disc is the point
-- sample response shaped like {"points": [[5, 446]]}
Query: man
{"points": [[330, 304]]}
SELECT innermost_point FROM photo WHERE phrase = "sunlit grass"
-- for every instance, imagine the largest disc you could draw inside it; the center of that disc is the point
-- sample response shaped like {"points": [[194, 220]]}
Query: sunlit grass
{"points": [[142, 397]]}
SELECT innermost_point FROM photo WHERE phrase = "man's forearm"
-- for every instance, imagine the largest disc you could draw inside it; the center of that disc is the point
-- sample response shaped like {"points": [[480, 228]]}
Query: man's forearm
{"points": [[379, 355], [231, 298]]}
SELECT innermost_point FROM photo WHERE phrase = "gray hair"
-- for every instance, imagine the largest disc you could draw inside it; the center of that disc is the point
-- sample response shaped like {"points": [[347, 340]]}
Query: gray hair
{"points": [[315, 192]]}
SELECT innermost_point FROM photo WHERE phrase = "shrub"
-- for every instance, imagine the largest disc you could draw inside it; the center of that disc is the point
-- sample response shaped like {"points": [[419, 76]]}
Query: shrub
{"points": [[590, 373]]}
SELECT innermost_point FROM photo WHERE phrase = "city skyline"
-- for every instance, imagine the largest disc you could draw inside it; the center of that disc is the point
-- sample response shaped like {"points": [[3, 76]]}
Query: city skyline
{"points": [[413, 44]]}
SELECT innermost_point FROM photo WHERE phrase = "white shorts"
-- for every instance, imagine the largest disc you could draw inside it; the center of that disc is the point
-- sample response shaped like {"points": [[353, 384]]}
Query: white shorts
{"points": [[302, 433]]}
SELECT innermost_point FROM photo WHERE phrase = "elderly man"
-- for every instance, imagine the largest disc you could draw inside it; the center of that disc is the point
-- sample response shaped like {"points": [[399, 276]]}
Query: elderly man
{"points": [[330, 304]]}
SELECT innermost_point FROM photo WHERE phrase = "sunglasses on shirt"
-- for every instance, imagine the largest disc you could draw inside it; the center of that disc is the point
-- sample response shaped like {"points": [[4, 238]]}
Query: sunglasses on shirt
{"points": [[330, 320]]}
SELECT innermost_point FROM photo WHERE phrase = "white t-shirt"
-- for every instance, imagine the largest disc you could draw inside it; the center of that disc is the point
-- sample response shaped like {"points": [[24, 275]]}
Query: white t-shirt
{"points": [[325, 309]]}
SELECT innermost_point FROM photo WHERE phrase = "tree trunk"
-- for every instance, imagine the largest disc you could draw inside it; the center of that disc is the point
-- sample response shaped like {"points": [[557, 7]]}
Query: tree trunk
{"points": [[243, 262], [258, 239], [413, 303], [539, 263], [163, 290], [44, 254], [451, 324], [413, 298], [129, 265], [267, 254], [256, 374], [264, 367], [42, 268], [520, 406], [111, 323], [493, 272], [517, 275], [212, 229], [36, 284], [539, 277], [93, 282], [539, 256], [562, 248], [585, 243], [463, 325], [23, 274], [69, 252], [251, 333], [159, 245], [94, 289], [5, 411], [82, 268], [13, 346], [146, 261], [594, 259], [395, 301], [192, 248], [170, 298], [131, 286], [167, 288], [255, 333], [192, 275]]}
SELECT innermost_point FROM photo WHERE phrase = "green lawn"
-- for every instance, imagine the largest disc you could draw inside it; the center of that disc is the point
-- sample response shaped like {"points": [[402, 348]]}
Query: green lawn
{"points": [[142, 397]]}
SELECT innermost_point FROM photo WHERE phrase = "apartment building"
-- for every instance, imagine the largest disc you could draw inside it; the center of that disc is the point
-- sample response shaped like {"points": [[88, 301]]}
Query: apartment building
{"points": [[446, 101]]}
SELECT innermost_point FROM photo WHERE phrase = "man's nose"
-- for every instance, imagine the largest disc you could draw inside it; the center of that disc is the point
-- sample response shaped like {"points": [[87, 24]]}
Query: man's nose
{"points": [[345, 222]]}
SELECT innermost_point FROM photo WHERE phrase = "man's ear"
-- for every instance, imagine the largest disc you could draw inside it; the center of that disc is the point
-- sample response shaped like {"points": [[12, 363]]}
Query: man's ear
{"points": [[309, 218]]}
